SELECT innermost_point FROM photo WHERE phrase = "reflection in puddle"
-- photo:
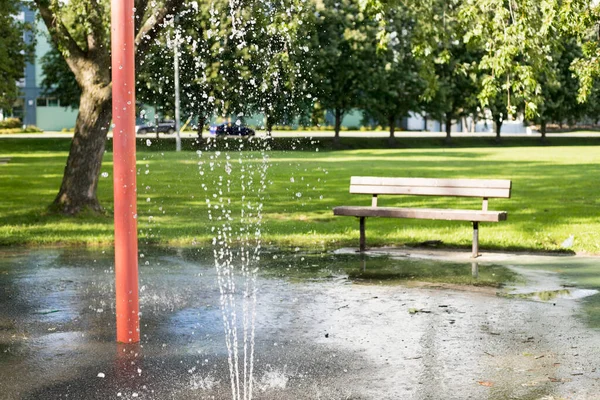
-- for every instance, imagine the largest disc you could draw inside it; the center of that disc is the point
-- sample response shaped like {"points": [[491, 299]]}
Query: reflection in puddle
{"points": [[543, 285], [549, 295]]}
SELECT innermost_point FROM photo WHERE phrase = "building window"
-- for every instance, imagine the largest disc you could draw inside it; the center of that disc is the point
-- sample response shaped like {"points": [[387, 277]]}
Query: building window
{"points": [[41, 102], [52, 102]]}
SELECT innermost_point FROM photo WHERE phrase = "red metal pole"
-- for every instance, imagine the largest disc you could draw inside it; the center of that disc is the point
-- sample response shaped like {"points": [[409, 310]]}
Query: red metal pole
{"points": [[124, 172]]}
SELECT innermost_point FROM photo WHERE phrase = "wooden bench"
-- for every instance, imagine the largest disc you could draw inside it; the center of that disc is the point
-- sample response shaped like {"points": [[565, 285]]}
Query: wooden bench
{"points": [[484, 188]]}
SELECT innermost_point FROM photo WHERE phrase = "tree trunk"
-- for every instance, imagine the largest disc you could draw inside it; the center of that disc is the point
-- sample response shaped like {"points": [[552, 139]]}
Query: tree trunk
{"points": [[338, 125], [392, 124], [269, 125], [200, 128], [156, 120], [543, 130], [448, 128], [78, 189], [498, 123]]}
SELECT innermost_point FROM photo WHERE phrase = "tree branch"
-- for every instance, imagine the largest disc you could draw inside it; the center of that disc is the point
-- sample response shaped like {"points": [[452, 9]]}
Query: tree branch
{"points": [[153, 23], [98, 32], [58, 31]]}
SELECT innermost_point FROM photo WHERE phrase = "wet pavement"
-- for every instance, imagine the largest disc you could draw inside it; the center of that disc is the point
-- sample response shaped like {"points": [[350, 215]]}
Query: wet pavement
{"points": [[328, 326]]}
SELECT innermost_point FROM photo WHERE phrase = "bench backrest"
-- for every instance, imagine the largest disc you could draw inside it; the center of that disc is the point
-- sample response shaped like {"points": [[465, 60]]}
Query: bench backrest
{"points": [[485, 188]]}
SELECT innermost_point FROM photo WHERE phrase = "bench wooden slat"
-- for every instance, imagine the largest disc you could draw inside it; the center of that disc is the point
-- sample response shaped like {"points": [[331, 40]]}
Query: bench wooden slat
{"points": [[430, 191], [422, 213], [432, 182]]}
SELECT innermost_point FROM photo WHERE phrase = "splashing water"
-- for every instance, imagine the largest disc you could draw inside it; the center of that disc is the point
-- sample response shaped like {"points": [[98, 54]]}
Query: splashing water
{"points": [[237, 247], [243, 62]]}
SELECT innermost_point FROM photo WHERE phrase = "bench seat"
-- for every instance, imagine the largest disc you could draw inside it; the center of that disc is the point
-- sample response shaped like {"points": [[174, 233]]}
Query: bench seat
{"points": [[422, 213]]}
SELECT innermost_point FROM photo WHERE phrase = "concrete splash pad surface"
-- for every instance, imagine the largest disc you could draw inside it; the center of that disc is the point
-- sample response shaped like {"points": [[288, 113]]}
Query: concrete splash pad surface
{"points": [[328, 327]]}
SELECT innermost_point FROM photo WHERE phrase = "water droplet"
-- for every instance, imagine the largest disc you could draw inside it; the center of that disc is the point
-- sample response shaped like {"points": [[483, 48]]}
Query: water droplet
{"points": [[292, 179], [105, 174], [298, 194], [134, 216], [148, 200], [148, 142], [101, 375]]}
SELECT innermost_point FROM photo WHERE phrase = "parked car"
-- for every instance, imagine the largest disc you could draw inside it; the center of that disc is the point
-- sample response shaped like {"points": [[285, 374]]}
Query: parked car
{"points": [[166, 126], [231, 129]]}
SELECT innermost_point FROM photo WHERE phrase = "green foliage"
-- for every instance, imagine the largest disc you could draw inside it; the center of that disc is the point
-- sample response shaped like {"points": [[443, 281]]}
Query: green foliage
{"points": [[14, 52], [559, 94], [394, 83], [517, 42], [455, 66], [59, 81], [235, 59], [343, 50]]}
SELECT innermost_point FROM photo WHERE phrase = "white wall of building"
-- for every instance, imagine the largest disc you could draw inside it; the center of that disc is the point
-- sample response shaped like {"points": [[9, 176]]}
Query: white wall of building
{"points": [[416, 122]]}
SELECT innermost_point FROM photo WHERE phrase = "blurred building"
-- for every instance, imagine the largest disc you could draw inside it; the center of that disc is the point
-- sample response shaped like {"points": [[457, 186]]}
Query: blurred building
{"points": [[33, 107]]}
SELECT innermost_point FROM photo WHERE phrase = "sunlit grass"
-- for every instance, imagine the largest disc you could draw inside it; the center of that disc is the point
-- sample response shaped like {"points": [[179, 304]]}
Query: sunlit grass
{"points": [[554, 196]]}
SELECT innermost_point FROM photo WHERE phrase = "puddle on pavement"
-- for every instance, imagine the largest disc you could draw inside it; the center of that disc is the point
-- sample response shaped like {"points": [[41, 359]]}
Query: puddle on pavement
{"points": [[57, 319], [382, 270], [560, 278]]}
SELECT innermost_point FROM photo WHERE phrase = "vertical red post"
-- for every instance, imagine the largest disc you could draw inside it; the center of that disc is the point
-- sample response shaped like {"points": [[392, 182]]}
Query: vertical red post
{"points": [[124, 172]]}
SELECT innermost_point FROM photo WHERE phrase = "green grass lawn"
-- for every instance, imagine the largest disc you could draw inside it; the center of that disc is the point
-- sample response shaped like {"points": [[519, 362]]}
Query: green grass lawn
{"points": [[555, 193]]}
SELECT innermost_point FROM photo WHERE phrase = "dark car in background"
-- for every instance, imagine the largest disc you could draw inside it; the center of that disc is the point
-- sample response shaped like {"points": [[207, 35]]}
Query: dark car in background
{"points": [[231, 129], [166, 126]]}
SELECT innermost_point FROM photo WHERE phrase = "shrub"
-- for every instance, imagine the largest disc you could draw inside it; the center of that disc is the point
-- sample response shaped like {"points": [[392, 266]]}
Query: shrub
{"points": [[29, 129], [11, 123]]}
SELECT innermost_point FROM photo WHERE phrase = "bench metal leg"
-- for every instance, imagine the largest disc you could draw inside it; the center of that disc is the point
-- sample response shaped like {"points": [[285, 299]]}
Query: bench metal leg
{"points": [[363, 239], [475, 240]]}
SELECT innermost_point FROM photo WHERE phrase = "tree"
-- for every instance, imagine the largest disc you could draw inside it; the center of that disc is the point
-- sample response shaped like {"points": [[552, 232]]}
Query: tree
{"points": [[455, 67], [243, 58], [341, 55], [80, 29], [559, 102], [592, 106], [285, 90], [395, 82], [155, 79], [14, 52], [518, 39]]}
